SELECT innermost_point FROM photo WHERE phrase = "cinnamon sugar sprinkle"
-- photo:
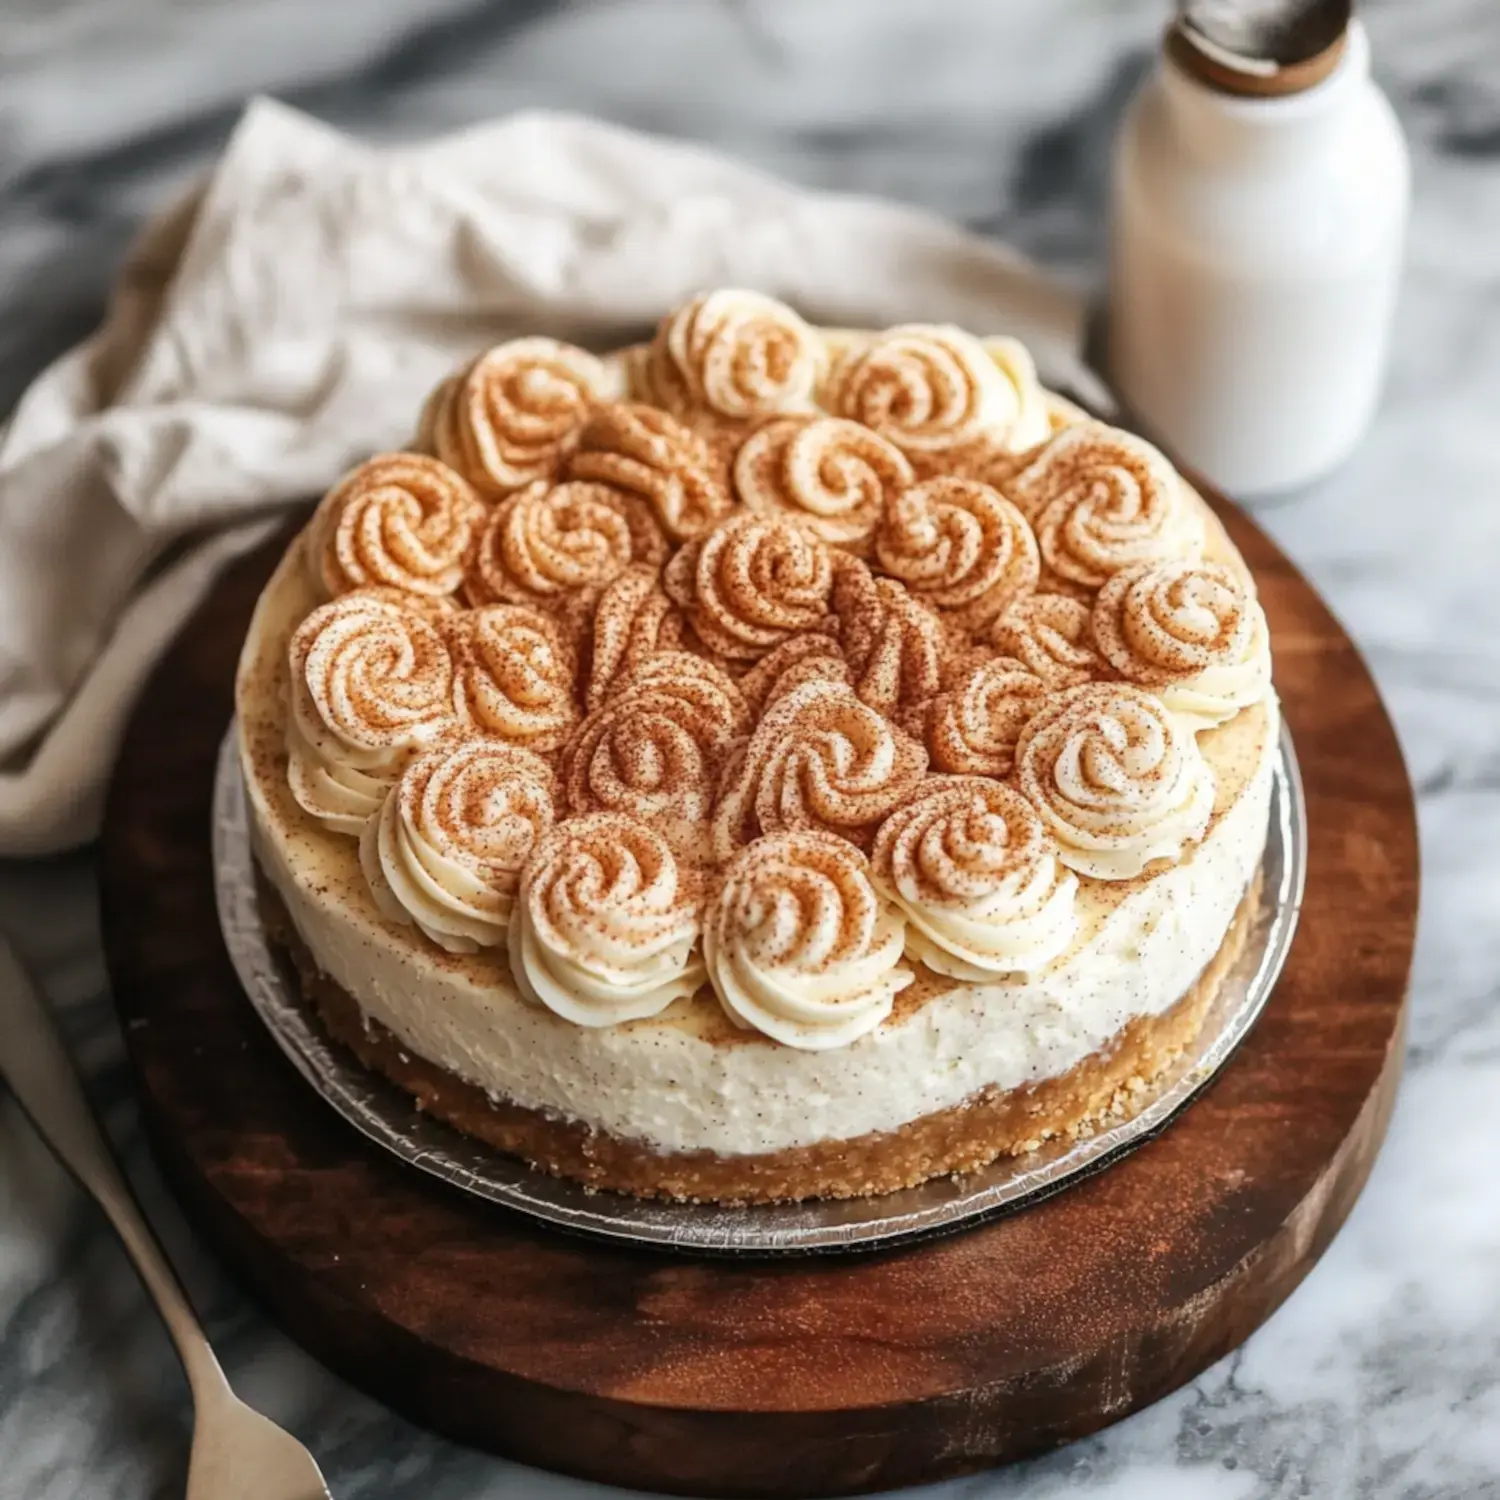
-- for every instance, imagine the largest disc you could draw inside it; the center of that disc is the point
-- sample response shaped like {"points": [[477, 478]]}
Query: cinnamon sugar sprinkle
{"points": [[761, 589]]}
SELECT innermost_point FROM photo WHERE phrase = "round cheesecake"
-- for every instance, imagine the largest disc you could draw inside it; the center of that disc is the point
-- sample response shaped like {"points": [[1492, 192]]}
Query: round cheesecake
{"points": [[767, 763]]}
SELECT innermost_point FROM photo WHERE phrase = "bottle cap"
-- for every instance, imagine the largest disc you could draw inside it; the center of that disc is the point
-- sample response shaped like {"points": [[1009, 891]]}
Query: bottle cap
{"points": [[1264, 48]]}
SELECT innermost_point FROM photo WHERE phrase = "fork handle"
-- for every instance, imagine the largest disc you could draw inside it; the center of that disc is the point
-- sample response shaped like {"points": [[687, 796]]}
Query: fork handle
{"points": [[36, 1063]]}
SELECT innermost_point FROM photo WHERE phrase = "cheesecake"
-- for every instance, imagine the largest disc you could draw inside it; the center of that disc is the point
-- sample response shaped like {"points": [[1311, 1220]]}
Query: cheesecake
{"points": [[766, 763]]}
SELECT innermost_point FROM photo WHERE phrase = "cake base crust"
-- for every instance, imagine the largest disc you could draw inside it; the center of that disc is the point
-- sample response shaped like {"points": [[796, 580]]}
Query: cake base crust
{"points": [[1107, 1086]]}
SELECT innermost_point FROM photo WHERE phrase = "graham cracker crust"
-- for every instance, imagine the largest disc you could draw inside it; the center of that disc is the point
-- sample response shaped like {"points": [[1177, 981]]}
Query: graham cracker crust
{"points": [[1104, 1088]]}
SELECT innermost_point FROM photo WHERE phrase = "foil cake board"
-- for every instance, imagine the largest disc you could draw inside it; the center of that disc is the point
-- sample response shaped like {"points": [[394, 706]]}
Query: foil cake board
{"points": [[780, 1375]]}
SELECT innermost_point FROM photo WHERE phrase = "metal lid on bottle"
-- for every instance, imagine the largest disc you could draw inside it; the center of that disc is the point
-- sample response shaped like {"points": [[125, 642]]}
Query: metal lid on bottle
{"points": [[1262, 48]]}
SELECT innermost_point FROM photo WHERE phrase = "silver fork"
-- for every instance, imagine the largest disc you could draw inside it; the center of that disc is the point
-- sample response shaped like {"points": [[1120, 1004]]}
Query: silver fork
{"points": [[237, 1453]]}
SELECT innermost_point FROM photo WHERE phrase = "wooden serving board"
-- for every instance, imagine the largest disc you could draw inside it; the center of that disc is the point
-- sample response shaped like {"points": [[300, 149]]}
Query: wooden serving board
{"points": [[780, 1378]]}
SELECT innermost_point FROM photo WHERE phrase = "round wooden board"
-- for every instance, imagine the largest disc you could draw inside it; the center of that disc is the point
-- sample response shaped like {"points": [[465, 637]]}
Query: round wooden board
{"points": [[783, 1378]]}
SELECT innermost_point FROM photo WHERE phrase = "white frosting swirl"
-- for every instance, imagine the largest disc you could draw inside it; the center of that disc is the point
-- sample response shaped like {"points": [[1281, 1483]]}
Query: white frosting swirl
{"points": [[447, 848], [751, 583], [513, 675], [971, 865], [341, 797], [740, 354], [893, 645], [972, 728], [372, 675], [799, 944], [1191, 631], [606, 922], [1033, 419], [554, 545], [1117, 778], [820, 758], [646, 451], [1049, 634], [1101, 500], [634, 619], [960, 546], [398, 521], [833, 476], [513, 415], [815, 656], [655, 747], [369, 683], [927, 388]]}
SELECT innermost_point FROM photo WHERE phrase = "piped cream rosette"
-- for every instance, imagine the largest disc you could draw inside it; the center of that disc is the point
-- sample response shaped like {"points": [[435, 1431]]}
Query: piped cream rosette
{"points": [[655, 747], [1049, 635], [557, 545], [751, 583], [893, 646], [959, 546], [972, 729], [1117, 778], [399, 521], [970, 863], [1192, 632], [1101, 500], [820, 758], [739, 354], [932, 388], [646, 451], [799, 943], [513, 675], [815, 656], [514, 414], [446, 849], [833, 476], [370, 683], [634, 619], [606, 923]]}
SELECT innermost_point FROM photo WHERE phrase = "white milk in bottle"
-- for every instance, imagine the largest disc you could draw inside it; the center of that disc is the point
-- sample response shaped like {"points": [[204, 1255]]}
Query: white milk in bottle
{"points": [[1256, 236]]}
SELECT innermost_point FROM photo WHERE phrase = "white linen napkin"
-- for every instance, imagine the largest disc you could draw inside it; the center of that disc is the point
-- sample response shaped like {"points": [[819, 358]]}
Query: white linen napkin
{"points": [[288, 317]]}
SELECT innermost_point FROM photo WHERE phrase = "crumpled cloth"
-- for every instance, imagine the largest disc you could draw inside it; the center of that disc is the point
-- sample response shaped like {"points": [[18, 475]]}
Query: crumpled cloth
{"points": [[288, 317]]}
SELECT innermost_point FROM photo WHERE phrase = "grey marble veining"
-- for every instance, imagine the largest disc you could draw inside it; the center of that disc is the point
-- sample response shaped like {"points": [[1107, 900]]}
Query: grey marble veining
{"points": [[1381, 1376]]}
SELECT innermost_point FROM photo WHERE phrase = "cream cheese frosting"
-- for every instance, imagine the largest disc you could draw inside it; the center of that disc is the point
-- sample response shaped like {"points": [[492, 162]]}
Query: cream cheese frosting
{"points": [[973, 728], [1192, 631], [446, 849], [752, 583], [371, 683], [1118, 780], [512, 416], [959, 546], [819, 758], [513, 674], [400, 521], [654, 749], [799, 943], [1050, 635], [605, 925], [1100, 500], [931, 387], [647, 452], [970, 863], [738, 353], [834, 476], [554, 544]]}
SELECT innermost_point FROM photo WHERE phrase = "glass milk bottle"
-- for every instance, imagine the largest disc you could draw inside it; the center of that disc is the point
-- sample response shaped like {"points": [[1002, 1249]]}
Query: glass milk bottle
{"points": [[1255, 252]]}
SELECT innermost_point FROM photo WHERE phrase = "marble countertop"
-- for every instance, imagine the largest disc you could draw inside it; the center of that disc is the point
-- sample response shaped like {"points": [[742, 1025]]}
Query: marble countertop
{"points": [[1381, 1375]]}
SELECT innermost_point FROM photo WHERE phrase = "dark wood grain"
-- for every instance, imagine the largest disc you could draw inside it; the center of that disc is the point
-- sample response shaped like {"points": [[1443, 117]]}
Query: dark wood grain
{"points": [[781, 1378]]}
